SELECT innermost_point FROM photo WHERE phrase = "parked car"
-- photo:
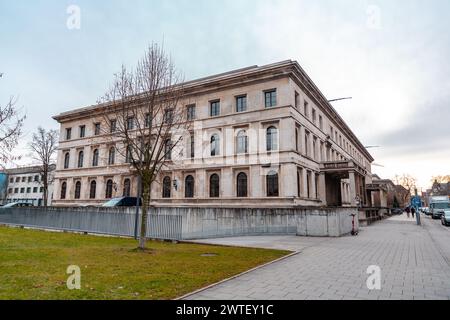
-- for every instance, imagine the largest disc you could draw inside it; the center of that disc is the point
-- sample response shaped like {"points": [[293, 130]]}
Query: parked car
{"points": [[16, 205], [122, 202], [445, 218], [427, 211], [397, 211]]}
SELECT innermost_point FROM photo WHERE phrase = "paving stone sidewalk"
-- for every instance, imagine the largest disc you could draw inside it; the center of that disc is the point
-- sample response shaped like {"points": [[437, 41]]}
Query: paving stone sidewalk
{"points": [[414, 265]]}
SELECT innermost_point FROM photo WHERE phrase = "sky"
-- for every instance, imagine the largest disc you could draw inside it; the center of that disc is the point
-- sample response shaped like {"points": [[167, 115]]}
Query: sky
{"points": [[391, 57]]}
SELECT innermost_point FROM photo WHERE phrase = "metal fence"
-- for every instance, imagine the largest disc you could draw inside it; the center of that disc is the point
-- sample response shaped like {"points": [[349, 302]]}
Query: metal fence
{"points": [[93, 220]]}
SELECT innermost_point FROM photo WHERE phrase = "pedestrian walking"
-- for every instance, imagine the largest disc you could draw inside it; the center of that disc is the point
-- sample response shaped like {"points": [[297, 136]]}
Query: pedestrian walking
{"points": [[413, 212], [408, 211]]}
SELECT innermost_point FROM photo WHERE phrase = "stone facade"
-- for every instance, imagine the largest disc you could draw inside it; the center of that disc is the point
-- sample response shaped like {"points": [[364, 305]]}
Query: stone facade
{"points": [[314, 159]]}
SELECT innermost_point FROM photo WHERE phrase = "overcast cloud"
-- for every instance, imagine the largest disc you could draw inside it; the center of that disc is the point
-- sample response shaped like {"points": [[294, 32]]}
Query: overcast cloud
{"points": [[390, 56]]}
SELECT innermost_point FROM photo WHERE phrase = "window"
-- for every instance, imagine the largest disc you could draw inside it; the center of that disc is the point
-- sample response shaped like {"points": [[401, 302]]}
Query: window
{"points": [[241, 103], [299, 184], [297, 144], [24, 179], [242, 142], [11, 180], [66, 160], [10, 190], [28, 190], [129, 155], [16, 190], [306, 109], [112, 156], [272, 139], [63, 190], [82, 131], [96, 129], [18, 179], [320, 122], [297, 100], [214, 109], [189, 187], [241, 186], [168, 150], [93, 189], [166, 187], [308, 184], [30, 179], [215, 145], [36, 178], [68, 133], [109, 189], [95, 158], [190, 112], [314, 116], [80, 159], [214, 186], [192, 146], [168, 116], [41, 189], [113, 125], [270, 98], [148, 119], [130, 123], [306, 143], [126, 187], [35, 190], [78, 190], [272, 184]]}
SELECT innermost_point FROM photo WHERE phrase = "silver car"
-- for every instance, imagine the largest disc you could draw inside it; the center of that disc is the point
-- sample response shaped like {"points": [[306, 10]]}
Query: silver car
{"points": [[445, 218]]}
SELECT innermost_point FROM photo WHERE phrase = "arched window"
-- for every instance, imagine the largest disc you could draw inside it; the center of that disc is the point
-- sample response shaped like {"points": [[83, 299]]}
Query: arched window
{"points": [[93, 189], [272, 139], [63, 190], [214, 186], [189, 187], [78, 190], [112, 156], [95, 158], [215, 145], [80, 159], [241, 185], [66, 160], [272, 184], [242, 142], [126, 188], [109, 189], [166, 187]]}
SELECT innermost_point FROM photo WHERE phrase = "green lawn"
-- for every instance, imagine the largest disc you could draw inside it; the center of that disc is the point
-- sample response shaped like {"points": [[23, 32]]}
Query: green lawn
{"points": [[33, 265]]}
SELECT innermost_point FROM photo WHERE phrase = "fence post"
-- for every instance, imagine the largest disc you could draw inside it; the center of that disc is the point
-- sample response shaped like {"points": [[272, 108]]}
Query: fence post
{"points": [[138, 197]]}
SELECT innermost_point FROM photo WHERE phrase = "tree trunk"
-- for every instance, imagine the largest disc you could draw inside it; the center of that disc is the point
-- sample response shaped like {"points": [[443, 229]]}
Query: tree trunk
{"points": [[145, 206], [45, 195]]}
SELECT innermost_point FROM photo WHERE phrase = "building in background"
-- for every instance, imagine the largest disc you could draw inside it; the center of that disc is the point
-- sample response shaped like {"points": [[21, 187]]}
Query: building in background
{"points": [[25, 185], [243, 119]]}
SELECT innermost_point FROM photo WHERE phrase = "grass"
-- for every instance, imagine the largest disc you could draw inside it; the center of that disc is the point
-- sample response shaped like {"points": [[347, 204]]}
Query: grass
{"points": [[33, 266]]}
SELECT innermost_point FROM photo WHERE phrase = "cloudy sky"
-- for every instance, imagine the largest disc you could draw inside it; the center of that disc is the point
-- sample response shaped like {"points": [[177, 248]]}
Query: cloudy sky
{"points": [[392, 57]]}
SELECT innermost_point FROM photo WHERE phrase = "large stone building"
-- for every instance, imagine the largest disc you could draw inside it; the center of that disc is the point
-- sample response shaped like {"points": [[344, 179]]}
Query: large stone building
{"points": [[25, 184], [262, 137]]}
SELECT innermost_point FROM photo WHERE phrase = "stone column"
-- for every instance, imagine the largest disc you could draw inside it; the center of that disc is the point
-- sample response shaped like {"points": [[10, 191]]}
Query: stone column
{"points": [[256, 180], [227, 182], [322, 188], [353, 187], [288, 180]]}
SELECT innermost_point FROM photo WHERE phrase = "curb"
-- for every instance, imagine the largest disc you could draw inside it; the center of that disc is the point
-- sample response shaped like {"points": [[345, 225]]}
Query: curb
{"points": [[236, 276]]}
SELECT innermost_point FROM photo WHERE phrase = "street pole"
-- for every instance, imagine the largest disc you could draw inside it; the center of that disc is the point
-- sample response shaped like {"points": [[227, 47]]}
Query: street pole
{"points": [[416, 204], [138, 200]]}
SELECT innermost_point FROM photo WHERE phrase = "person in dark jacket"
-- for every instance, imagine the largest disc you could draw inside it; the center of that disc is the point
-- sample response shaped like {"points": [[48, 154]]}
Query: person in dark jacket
{"points": [[413, 212], [408, 211]]}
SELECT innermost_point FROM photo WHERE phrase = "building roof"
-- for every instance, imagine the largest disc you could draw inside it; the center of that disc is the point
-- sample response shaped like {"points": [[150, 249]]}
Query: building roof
{"points": [[287, 68], [26, 170]]}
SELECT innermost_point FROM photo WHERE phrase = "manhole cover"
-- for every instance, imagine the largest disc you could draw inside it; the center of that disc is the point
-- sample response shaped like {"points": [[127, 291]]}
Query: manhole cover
{"points": [[209, 255]]}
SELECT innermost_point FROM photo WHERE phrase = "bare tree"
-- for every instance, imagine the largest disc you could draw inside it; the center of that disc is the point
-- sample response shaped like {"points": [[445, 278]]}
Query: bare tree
{"points": [[146, 119], [11, 122], [409, 183], [43, 146], [441, 179]]}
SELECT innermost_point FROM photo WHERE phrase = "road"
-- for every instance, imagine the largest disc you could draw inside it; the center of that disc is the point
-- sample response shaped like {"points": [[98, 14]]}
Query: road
{"points": [[414, 263]]}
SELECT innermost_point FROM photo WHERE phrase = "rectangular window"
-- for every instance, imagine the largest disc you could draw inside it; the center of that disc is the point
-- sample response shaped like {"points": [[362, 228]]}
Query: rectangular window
{"points": [[22, 190], [35, 190], [11, 180], [113, 126], [320, 122], [147, 120], [41, 189], [68, 133], [28, 190], [191, 112], [130, 123], [10, 190], [16, 190], [314, 116], [36, 178], [168, 116], [96, 129], [24, 179], [214, 108], [18, 179], [308, 184], [297, 100], [241, 103], [82, 131], [270, 98], [306, 109], [192, 146], [30, 179]]}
